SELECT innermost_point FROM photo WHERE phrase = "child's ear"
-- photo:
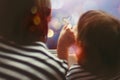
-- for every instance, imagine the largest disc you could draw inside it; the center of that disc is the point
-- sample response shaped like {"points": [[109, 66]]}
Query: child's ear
{"points": [[80, 54]]}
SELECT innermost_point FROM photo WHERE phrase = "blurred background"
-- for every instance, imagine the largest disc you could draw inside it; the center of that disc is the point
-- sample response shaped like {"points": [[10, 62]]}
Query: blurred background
{"points": [[69, 11]]}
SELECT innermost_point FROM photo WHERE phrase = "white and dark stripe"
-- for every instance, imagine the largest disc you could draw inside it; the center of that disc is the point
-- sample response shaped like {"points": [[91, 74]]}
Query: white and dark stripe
{"points": [[76, 72], [32, 63]]}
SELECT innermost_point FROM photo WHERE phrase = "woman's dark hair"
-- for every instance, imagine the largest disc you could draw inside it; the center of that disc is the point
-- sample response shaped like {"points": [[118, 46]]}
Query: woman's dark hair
{"points": [[100, 34], [24, 21]]}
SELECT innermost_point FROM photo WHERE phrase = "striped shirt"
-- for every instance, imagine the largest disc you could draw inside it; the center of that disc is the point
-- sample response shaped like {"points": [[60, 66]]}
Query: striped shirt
{"points": [[76, 72], [29, 63]]}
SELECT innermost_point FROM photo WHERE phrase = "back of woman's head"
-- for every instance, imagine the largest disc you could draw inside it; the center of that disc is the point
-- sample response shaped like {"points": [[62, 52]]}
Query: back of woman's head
{"points": [[24, 20], [100, 34]]}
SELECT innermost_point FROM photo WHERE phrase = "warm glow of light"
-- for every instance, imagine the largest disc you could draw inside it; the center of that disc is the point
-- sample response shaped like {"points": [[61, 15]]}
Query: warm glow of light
{"points": [[72, 51], [50, 33], [55, 23]]}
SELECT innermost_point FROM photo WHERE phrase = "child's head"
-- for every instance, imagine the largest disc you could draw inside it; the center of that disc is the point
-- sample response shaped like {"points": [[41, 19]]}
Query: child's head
{"points": [[98, 34]]}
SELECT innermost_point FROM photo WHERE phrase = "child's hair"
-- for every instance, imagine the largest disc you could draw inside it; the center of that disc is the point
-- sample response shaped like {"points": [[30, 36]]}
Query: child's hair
{"points": [[100, 34]]}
